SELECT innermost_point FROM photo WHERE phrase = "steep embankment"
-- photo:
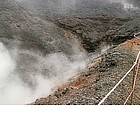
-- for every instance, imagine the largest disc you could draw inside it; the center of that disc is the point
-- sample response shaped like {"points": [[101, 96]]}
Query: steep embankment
{"points": [[101, 76], [32, 31]]}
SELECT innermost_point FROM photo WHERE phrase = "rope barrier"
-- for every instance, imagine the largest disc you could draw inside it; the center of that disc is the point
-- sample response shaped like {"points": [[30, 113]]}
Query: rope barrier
{"points": [[135, 63], [134, 84]]}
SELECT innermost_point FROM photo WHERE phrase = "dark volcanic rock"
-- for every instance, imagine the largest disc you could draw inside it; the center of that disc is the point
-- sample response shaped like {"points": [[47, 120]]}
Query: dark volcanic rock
{"points": [[43, 24], [34, 32]]}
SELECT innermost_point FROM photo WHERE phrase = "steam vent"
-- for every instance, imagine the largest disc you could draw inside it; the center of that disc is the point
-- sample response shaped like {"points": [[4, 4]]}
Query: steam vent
{"points": [[70, 52]]}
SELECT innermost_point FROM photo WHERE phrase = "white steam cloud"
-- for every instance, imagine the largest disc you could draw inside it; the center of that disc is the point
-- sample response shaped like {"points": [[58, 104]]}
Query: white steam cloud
{"points": [[22, 80], [126, 4]]}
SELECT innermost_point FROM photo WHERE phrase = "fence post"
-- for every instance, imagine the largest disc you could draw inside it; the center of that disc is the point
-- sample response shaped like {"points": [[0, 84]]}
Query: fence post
{"points": [[133, 80]]}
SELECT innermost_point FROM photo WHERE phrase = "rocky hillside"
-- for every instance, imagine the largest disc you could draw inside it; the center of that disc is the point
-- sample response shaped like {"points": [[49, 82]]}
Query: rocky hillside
{"points": [[37, 23], [75, 28], [99, 78]]}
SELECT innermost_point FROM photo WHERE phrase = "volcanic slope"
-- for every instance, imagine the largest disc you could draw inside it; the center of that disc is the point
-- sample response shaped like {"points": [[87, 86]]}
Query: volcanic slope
{"points": [[100, 77], [72, 27]]}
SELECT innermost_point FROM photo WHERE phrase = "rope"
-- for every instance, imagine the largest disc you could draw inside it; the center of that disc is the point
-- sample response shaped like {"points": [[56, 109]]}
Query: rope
{"points": [[135, 35], [135, 63], [134, 84]]}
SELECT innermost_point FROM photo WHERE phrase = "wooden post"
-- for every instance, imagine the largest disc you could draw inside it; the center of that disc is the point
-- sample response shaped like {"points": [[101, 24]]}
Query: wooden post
{"points": [[135, 73], [133, 80]]}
